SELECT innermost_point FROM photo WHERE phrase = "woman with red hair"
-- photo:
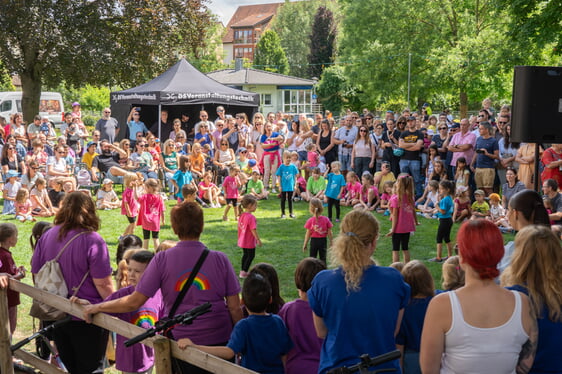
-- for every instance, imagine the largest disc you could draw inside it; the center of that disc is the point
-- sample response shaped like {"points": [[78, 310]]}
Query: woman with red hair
{"points": [[481, 327]]}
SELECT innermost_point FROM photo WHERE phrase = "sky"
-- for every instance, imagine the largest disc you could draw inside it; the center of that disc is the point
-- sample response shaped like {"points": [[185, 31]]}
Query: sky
{"points": [[224, 9]]}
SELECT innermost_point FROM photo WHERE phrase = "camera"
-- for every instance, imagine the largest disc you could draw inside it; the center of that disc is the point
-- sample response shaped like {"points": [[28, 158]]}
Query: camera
{"points": [[480, 151]]}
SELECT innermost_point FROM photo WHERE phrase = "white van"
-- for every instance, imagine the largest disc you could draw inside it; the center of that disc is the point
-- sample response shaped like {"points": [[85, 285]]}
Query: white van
{"points": [[50, 105]]}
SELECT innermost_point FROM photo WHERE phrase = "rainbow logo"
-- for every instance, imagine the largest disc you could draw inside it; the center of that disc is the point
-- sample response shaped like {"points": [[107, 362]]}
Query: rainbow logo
{"points": [[145, 318], [200, 282]]}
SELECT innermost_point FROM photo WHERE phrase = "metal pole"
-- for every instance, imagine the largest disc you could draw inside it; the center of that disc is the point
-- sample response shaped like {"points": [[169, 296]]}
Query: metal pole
{"points": [[409, 75], [159, 120]]}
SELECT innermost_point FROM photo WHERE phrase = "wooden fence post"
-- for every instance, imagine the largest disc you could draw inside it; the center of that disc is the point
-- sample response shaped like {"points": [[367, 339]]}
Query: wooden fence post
{"points": [[162, 356], [6, 361]]}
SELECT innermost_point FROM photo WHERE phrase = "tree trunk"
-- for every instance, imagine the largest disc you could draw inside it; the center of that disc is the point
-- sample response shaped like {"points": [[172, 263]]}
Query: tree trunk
{"points": [[31, 93], [463, 103]]}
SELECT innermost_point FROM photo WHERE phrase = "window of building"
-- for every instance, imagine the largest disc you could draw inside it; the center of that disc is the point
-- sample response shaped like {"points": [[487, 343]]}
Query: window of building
{"points": [[265, 99], [297, 101]]}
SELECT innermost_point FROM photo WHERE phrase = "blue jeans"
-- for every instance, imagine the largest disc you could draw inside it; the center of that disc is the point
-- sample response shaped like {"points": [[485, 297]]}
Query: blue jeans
{"points": [[345, 161], [412, 167]]}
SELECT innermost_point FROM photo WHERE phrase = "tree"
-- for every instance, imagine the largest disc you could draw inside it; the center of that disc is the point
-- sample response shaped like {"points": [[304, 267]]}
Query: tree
{"points": [[5, 79], [535, 22], [269, 55], [322, 41], [292, 23], [335, 91], [102, 42], [456, 46]]}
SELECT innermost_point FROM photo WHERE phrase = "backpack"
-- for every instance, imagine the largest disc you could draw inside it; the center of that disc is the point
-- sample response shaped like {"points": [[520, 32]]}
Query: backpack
{"points": [[49, 278], [84, 178]]}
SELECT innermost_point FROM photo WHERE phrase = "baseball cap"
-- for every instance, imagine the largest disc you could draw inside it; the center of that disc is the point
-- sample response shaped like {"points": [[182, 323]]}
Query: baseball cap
{"points": [[107, 180], [76, 103]]}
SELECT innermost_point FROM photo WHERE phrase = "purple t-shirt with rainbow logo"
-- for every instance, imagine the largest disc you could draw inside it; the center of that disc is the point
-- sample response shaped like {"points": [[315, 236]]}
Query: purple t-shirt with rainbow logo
{"points": [[216, 280], [139, 357]]}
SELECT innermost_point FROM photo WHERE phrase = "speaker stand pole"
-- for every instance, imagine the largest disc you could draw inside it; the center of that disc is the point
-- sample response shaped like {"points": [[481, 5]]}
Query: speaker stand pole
{"points": [[537, 176]]}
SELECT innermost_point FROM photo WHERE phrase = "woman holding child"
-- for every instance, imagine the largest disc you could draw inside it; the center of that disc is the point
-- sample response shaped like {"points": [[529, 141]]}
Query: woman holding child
{"points": [[347, 301], [169, 270]]}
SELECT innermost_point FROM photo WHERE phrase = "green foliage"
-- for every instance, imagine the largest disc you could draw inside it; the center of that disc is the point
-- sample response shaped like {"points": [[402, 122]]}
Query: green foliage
{"points": [[269, 55], [335, 90], [293, 24], [5, 79], [100, 42], [207, 59], [322, 41], [534, 22], [458, 47]]}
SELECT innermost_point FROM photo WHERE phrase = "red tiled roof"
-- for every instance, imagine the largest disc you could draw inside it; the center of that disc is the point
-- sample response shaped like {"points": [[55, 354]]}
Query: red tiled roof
{"points": [[252, 20], [248, 15]]}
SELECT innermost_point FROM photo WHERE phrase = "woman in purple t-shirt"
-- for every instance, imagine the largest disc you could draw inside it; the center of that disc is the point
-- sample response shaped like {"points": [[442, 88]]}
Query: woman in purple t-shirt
{"points": [[81, 345], [215, 282]]}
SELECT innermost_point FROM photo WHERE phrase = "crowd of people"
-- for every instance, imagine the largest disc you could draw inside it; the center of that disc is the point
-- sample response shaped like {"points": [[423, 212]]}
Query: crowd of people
{"points": [[403, 166]]}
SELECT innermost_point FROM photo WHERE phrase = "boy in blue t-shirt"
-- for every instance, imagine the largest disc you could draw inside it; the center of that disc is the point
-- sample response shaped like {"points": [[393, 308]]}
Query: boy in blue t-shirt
{"points": [[262, 339], [287, 174], [334, 188]]}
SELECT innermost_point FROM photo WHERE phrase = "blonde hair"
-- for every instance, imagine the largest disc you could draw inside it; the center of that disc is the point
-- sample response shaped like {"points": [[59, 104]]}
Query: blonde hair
{"points": [[22, 195], [166, 244], [152, 183], [129, 178], [536, 264], [358, 230], [122, 275], [452, 274]]}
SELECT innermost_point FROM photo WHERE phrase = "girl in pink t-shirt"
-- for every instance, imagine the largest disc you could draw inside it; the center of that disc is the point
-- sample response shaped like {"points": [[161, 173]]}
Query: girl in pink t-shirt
{"points": [[387, 188], [151, 212], [247, 233], [369, 195], [230, 185], [23, 206], [318, 227], [403, 216], [352, 190], [129, 203]]}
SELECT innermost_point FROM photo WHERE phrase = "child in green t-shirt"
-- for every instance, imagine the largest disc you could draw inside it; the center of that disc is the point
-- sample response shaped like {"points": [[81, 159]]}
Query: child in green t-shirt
{"points": [[315, 186], [255, 186], [480, 208]]}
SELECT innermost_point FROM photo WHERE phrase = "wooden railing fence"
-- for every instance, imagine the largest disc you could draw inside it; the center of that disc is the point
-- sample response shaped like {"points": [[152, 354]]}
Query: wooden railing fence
{"points": [[164, 348]]}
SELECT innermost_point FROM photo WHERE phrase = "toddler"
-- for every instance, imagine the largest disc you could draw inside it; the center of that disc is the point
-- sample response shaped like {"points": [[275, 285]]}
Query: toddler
{"points": [[248, 237], [23, 206], [479, 208], [151, 212], [334, 189], [387, 188], [353, 190], [41, 204], [462, 205], [287, 177], [9, 239], [255, 186], [10, 191], [107, 198], [230, 185], [315, 187], [318, 227]]}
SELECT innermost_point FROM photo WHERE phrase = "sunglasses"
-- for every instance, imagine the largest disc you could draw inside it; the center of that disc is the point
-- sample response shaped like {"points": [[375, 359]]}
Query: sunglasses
{"points": [[362, 130], [442, 128], [180, 137], [502, 123], [107, 112], [243, 151], [224, 144]]}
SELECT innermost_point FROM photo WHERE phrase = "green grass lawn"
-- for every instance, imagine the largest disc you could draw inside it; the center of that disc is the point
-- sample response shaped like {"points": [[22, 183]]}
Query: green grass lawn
{"points": [[282, 244]]}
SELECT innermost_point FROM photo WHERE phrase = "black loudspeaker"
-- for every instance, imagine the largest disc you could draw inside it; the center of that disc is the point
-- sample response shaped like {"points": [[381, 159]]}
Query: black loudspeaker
{"points": [[537, 104]]}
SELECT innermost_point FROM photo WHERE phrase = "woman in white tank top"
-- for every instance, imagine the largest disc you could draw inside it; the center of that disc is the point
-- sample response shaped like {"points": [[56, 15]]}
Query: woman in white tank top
{"points": [[481, 327]]}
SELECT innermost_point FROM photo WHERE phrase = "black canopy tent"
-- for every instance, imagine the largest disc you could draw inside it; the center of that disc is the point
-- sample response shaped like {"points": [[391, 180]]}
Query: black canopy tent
{"points": [[180, 89]]}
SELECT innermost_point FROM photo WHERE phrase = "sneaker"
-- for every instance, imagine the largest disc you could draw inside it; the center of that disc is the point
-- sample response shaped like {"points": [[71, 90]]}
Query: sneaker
{"points": [[292, 215], [274, 191], [295, 199], [224, 218], [337, 219], [435, 259], [243, 274], [386, 213], [283, 216]]}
